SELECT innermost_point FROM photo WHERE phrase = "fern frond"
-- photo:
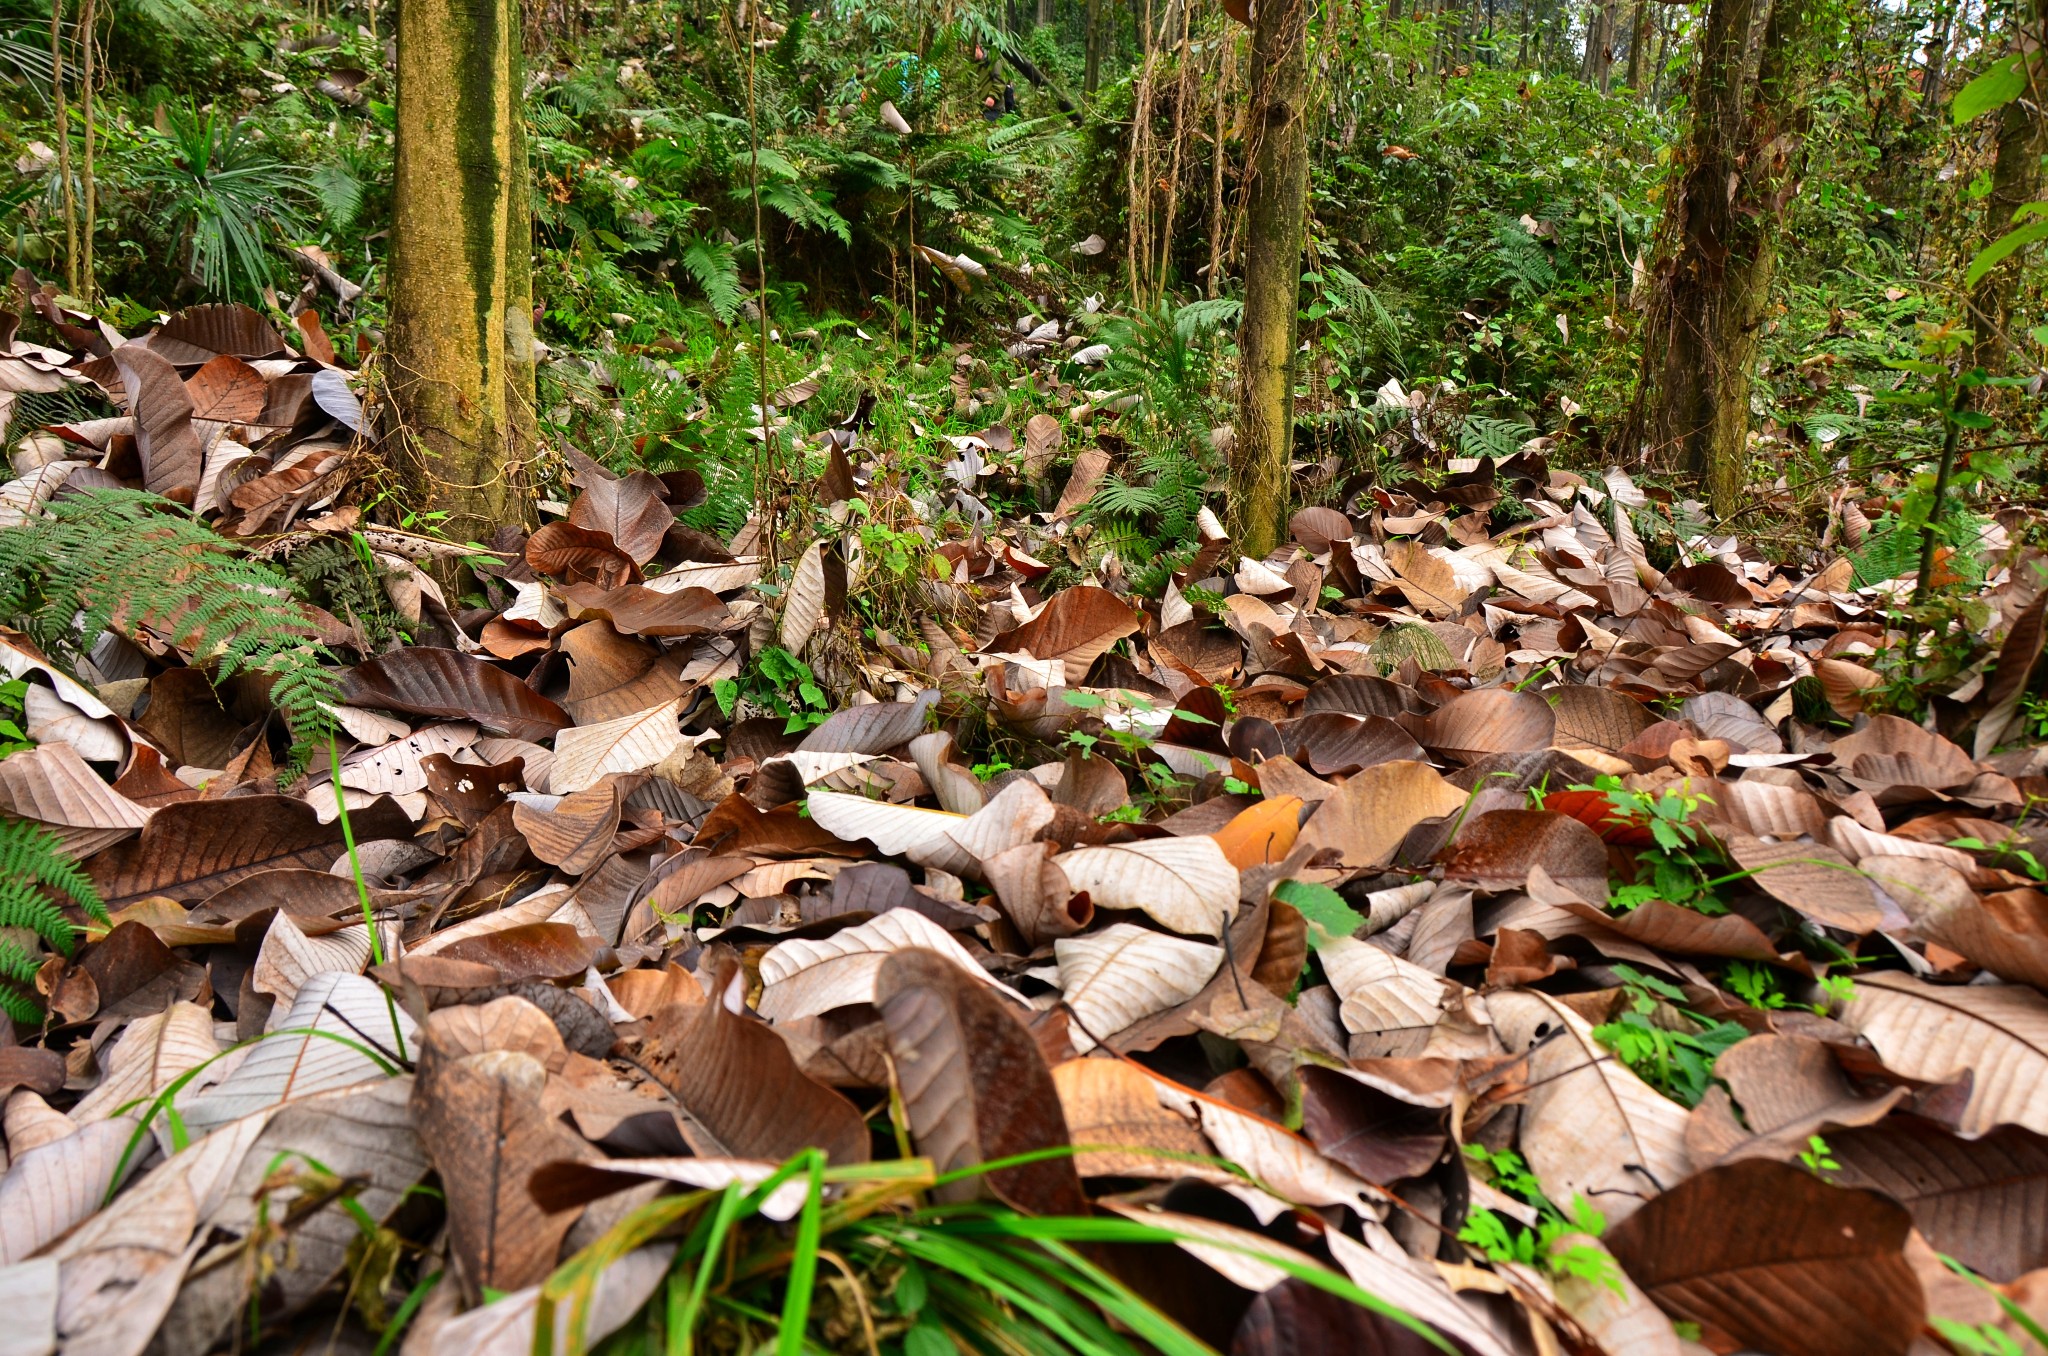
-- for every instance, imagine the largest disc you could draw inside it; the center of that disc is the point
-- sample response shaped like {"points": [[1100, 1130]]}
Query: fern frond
{"points": [[128, 561], [1496, 438], [712, 264], [18, 968]]}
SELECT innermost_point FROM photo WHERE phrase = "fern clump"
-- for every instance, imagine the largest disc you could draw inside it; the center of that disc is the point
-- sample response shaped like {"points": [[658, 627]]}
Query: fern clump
{"points": [[125, 559], [32, 863]]}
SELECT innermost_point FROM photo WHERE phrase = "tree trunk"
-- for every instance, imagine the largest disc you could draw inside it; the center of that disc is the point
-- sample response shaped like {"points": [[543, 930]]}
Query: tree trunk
{"points": [[1598, 66], [1276, 193], [460, 348], [1639, 47], [2015, 181], [1741, 169], [63, 116], [1044, 11], [1937, 60], [1093, 72]]}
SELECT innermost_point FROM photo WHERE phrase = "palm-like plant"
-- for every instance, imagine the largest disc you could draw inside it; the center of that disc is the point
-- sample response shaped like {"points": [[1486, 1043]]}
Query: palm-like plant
{"points": [[223, 198]]}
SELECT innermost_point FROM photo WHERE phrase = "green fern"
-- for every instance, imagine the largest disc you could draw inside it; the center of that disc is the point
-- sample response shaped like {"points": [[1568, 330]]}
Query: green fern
{"points": [[32, 863], [1496, 438], [1888, 552], [712, 264], [122, 558]]}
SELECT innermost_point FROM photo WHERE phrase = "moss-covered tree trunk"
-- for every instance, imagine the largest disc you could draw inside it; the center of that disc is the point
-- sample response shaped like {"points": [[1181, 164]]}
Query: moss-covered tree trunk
{"points": [[1719, 244], [2015, 181], [1276, 193], [460, 346]]}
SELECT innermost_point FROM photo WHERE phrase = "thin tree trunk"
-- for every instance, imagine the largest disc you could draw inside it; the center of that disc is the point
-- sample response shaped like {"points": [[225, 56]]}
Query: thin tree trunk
{"points": [[64, 180], [1743, 169], [2015, 181], [1937, 60], [460, 345], [1092, 75], [1220, 152], [1276, 209], [1639, 47], [1044, 11], [88, 26]]}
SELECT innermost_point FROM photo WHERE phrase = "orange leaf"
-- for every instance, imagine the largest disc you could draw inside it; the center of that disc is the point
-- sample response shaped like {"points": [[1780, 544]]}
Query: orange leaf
{"points": [[1264, 833]]}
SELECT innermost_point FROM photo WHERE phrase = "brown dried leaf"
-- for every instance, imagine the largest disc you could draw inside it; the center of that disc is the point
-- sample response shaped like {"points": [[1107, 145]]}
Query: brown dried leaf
{"points": [[1769, 1255]]}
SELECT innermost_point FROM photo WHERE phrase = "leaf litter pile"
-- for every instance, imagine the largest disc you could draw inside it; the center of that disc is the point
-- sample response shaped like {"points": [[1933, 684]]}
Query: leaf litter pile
{"points": [[1452, 932]]}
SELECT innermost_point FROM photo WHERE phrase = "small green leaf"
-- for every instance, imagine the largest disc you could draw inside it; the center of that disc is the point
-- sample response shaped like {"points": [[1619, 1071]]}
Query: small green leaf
{"points": [[1328, 915]]}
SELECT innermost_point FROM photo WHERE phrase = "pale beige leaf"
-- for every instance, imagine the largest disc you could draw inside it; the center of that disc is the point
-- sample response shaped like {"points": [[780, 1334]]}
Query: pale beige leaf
{"points": [[121, 1270], [1623, 1321], [805, 976], [1995, 1034], [1590, 1127], [506, 1326], [1539, 588], [394, 768], [1380, 1267], [290, 955], [1383, 994], [803, 606], [585, 753], [715, 576], [368, 728], [53, 786], [895, 830], [1125, 973], [51, 1188], [356, 1020], [364, 1136], [48, 719], [28, 1296], [1186, 884], [1283, 1163], [151, 1053]]}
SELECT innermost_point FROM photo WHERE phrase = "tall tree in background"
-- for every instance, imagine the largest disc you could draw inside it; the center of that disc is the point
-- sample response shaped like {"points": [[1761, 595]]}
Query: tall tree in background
{"points": [[1276, 193], [1639, 48], [460, 346], [1718, 242], [2015, 179]]}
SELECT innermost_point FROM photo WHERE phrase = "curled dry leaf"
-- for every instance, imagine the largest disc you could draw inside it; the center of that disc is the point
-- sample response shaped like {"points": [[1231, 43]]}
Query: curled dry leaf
{"points": [[1124, 973], [803, 977], [1186, 884], [1996, 1035], [738, 1078], [974, 1085]]}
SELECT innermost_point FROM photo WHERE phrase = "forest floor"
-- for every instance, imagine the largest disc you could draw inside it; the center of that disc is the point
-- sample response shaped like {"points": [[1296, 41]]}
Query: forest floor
{"points": [[888, 930]]}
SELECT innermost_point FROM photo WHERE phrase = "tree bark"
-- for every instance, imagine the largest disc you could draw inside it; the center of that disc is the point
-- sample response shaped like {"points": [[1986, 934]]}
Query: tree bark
{"points": [[63, 116], [2015, 181], [1598, 65], [1639, 48], [1276, 194], [460, 345], [1092, 75], [1741, 169]]}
